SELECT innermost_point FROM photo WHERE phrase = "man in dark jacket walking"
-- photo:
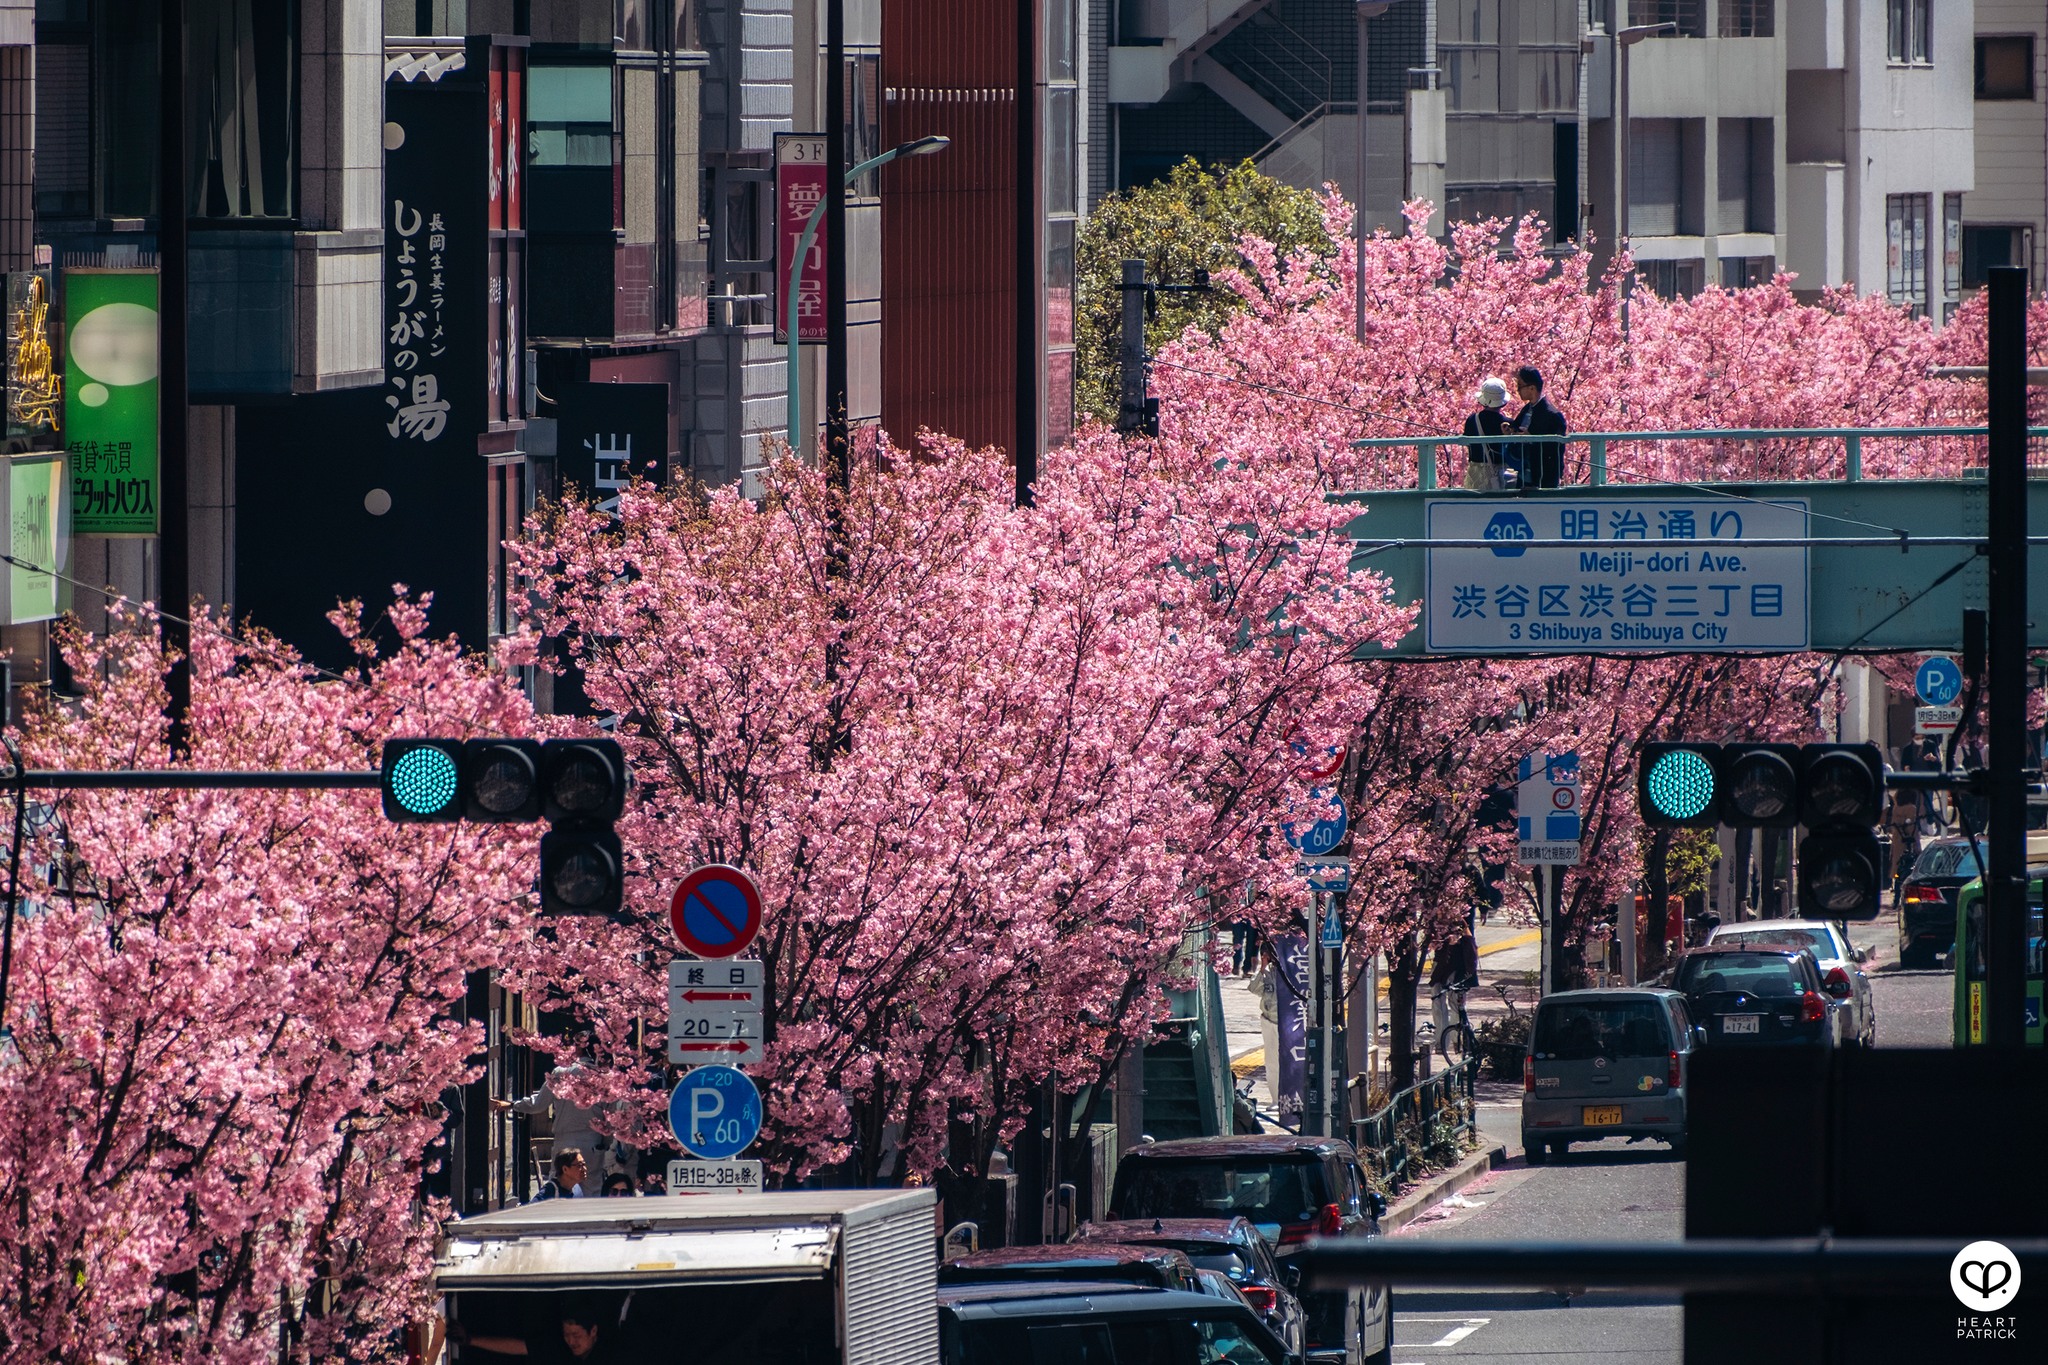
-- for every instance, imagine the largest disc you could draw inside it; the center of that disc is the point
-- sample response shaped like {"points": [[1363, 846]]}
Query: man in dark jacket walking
{"points": [[1542, 461]]}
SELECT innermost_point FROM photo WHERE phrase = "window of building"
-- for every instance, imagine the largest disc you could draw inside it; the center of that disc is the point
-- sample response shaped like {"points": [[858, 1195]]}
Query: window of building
{"points": [[864, 120], [241, 62], [1987, 247], [1951, 255], [1746, 272], [2005, 68], [1671, 279], [1748, 18], [1744, 190], [569, 115], [1689, 15], [1059, 149], [1909, 32], [1660, 175], [1905, 227]]}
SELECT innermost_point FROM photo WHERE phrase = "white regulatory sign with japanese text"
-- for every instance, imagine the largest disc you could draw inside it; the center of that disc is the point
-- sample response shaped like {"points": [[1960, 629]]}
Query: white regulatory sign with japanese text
{"points": [[1648, 574], [702, 1177]]}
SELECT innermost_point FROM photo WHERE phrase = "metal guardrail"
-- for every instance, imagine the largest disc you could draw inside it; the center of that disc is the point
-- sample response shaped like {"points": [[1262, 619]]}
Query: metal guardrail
{"points": [[1861, 1266], [1389, 1137], [1597, 443]]}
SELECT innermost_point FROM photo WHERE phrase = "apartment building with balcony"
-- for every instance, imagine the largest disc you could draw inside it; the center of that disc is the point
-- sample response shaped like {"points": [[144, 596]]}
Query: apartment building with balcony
{"points": [[1685, 137], [1880, 147], [2005, 213]]}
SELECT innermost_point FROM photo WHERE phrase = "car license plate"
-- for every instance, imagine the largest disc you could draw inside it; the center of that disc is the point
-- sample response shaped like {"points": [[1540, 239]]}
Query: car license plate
{"points": [[1593, 1116], [1739, 1023]]}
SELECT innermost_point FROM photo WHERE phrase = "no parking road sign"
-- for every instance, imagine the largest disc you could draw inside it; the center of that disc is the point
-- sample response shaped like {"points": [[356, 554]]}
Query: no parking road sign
{"points": [[716, 912], [715, 1112]]}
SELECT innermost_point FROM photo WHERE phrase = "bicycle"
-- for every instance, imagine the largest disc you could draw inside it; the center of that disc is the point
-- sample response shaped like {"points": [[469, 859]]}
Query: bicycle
{"points": [[1454, 1038]]}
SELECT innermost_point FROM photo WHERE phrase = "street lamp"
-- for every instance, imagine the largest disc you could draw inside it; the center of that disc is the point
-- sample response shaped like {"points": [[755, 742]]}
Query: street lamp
{"points": [[1625, 39], [923, 146], [1367, 9]]}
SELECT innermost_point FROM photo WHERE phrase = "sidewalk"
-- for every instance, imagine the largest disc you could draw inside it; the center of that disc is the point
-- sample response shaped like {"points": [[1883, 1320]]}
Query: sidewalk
{"points": [[1509, 955]]}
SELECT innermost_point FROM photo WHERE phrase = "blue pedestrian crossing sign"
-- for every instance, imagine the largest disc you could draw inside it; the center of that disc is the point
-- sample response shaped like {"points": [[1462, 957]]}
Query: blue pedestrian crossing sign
{"points": [[1939, 681], [715, 1112], [1333, 930]]}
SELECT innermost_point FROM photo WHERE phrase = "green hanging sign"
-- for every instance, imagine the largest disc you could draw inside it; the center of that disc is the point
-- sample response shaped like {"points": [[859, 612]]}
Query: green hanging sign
{"points": [[110, 400]]}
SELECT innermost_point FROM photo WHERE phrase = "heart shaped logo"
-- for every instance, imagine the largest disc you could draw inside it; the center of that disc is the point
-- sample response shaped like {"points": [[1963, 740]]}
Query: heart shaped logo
{"points": [[1985, 1277]]}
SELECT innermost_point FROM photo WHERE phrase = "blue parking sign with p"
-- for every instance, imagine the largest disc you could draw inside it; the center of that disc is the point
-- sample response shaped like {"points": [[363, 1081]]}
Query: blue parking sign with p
{"points": [[1938, 681], [715, 1112]]}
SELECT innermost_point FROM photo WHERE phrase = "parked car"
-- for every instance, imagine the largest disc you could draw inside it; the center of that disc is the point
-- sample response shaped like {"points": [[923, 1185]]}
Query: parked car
{"points": [[1606, 1063], [1290, 1188], [1832, 950], [1160, 1267], [1926, 909], [1743, 996], [1228, 1246], [1099, 1324]]}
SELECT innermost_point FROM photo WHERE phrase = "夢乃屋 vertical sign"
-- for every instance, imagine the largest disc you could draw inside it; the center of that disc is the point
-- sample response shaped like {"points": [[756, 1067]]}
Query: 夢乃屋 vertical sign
{"points": [[110, 400]]}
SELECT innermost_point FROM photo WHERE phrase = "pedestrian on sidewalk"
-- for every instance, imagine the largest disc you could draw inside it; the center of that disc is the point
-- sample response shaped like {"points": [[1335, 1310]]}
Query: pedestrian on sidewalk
{"points": [[570, 1172], [1242, 938]]}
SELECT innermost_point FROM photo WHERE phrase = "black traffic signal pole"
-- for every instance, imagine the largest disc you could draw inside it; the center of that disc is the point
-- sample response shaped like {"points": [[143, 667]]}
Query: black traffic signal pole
{"points": [[2006, 889]]}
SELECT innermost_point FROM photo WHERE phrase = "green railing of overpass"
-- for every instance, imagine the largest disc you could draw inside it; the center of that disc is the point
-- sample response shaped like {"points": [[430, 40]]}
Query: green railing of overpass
{"points": [[1598, 443]]}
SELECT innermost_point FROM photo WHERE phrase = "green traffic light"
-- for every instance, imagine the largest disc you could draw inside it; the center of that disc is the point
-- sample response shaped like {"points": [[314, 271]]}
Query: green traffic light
{"points": [[1681, 784], [423, 780]]}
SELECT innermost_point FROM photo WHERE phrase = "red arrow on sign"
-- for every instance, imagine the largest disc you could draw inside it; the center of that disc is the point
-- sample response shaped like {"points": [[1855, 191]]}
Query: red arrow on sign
{"points": [[712, 1047], [694, 996]]}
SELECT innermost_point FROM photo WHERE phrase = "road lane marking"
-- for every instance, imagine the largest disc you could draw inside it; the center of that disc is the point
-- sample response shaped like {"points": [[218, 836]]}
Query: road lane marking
{"points": [[1466, 1327]]}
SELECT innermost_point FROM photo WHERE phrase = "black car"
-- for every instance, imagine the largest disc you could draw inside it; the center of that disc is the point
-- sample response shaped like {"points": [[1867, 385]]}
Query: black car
{"points": [[1927, 898], [1290, 1188], [1231, 1246], [1158, 1266], [1759, 997], [1098, 1324]]}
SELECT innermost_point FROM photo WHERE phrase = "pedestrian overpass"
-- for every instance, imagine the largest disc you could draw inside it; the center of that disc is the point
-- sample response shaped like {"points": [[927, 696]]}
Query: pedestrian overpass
{"points": [[1621, 563]]}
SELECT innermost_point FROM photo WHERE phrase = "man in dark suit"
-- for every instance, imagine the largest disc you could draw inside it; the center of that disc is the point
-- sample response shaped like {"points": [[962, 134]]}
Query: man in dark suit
{"points": [[1542, 461]]}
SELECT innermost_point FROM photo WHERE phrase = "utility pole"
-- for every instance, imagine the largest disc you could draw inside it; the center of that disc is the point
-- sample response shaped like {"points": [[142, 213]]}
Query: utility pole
{"points": [[2006, 418], [838, 422], [174, 540]]}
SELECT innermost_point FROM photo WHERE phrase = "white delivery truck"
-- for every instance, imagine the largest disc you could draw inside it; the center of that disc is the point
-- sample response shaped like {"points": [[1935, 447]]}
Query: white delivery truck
{"points": [[807, 1277]]}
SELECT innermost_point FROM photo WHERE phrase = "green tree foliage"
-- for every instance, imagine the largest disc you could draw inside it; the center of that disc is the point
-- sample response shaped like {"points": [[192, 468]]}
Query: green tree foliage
{"points": [[1185, 224]]}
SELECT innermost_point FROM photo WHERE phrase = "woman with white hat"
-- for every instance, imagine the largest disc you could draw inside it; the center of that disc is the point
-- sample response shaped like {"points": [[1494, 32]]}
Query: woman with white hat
{"points": [[1484, 471]]}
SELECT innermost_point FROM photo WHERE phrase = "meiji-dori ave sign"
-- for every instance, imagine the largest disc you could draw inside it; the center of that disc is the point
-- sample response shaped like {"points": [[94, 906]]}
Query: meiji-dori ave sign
{"points": [[1647, 575]]}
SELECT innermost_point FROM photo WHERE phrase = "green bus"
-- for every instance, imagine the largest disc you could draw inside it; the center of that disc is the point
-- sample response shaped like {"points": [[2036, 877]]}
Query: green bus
{"points": [[1972, 1005]]}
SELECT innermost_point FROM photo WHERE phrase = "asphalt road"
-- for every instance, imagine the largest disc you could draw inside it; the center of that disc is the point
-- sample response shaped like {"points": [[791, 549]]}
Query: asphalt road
{"points": [[1607, 1191], [1611, 1190]]}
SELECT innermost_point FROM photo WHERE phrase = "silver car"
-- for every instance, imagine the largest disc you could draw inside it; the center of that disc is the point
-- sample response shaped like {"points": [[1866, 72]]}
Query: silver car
{"points": [[1839, 962]]}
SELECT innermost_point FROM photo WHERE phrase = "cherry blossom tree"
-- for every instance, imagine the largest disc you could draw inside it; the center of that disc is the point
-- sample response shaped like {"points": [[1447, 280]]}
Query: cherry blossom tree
{"points": [[231, 1009], [988, 764], [1438, 316]]}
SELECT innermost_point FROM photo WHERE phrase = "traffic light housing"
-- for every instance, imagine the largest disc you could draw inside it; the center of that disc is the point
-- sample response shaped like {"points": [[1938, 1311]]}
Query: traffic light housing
{"points": [[422, 780], [1759, 785], [1841, 801], [582, 871], [1678, 785], [577, 785], [501, 780]]}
